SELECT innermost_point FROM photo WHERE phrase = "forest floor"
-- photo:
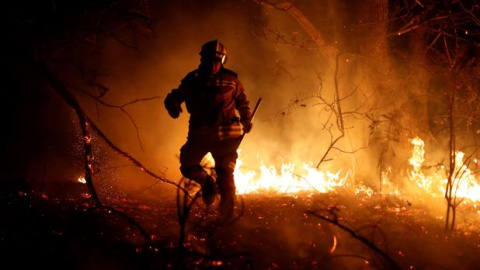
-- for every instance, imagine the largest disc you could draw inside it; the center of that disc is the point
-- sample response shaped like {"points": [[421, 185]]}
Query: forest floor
{"points": [[272, 232]]}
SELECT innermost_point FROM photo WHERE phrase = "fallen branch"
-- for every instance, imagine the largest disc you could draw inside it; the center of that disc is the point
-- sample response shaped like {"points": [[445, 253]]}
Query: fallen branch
{"points": [[355, 235]]}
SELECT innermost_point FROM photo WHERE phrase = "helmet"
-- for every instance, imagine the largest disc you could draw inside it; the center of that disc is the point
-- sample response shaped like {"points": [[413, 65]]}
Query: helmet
{"points": [[214, 49]]}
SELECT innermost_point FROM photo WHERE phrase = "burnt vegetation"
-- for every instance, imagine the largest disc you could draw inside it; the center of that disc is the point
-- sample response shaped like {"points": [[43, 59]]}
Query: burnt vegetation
{"points": [[399, 69]]}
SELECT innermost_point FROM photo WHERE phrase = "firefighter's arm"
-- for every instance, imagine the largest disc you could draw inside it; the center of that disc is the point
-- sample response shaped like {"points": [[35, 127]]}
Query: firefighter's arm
{"points": [[173, 103], [243, 106]]}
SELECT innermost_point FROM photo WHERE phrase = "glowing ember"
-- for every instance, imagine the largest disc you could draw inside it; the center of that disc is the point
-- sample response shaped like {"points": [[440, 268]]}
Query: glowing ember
{"points": [[334, 245], [82, 180]]}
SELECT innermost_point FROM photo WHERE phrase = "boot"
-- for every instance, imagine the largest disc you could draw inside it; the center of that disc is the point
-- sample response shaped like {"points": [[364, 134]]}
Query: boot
{"points": [[208, 191]]}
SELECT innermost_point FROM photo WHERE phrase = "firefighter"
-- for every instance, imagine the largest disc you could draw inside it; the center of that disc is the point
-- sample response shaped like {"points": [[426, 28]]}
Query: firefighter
{"points": [[219, 111]]}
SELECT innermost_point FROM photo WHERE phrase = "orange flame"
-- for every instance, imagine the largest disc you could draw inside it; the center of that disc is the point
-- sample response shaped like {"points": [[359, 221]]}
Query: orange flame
{"points": [[82, 180], [465, 183], [286, 180]]}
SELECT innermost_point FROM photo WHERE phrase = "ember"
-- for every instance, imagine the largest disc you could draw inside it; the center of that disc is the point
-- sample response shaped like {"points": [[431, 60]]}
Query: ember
{"points": [[82, 180]]}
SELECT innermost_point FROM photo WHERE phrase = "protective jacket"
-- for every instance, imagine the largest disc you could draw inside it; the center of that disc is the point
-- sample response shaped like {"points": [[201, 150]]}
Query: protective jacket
{"points": [[212, 102]]}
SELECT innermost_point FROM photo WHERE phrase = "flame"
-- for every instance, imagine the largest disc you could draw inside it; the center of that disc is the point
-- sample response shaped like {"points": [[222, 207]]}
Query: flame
{"points": [[82, 180], [464, 182], [267, 179], [286, 180], [418, 153], [290, 178]]}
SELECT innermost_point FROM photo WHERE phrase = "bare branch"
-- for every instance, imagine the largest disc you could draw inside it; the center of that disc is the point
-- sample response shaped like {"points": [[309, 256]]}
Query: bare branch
{"points": [[355, 235], [71, 101], [121, 108], [304, 23], [472, 15]]}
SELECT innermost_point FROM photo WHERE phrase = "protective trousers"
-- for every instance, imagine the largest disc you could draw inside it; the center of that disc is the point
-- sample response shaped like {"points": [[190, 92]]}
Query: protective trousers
{"points": [[224, 153]]}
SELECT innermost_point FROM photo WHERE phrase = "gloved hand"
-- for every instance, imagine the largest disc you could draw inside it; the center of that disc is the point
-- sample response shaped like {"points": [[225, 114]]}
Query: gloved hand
{"points": [[173, 106], [247, 126]]}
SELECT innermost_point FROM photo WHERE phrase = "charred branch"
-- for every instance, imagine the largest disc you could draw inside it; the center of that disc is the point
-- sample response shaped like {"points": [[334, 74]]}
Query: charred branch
{"points": [[354, 234], [84, 125]]}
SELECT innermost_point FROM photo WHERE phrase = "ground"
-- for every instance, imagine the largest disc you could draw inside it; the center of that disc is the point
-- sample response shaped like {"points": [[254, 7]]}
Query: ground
{"points": [[272, 232]]}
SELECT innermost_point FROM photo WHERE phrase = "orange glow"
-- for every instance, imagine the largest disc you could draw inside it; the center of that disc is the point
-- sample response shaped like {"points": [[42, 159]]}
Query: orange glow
{"points": [[268, 179], [289, 179], [334, 245], [87, 139]]}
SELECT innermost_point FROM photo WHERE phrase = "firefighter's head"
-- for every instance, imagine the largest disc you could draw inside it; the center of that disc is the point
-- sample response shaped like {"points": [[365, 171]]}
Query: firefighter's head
{"points": [[212, 56]]}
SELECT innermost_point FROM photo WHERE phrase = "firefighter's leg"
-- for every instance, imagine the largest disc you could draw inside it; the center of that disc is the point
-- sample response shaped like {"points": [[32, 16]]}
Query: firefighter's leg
{"points": [[226, 185], [191, 154], [225, 157]]}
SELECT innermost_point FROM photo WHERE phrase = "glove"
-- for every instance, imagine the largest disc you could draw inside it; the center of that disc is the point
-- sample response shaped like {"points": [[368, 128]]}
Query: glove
{"points": [[173, 106], [247, 126]]}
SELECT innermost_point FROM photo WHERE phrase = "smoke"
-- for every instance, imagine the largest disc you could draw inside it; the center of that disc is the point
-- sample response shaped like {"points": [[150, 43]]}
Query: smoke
{"points": [[275, 60]]}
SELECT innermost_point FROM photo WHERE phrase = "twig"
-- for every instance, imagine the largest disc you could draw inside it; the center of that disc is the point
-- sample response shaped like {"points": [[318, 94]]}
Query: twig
{"points": [[338, 112], [121, 108]]}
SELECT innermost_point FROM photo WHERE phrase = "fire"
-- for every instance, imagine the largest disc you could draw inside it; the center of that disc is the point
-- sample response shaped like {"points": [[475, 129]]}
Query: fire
{"points": [[267, 179], [418, 154], [430, 183], [287, 180], [290, 179], [464, 182], [82, 180]]}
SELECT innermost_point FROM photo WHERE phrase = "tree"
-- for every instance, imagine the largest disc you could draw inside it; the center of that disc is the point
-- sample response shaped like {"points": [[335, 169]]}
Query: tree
{"points": [[447, 38]]}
